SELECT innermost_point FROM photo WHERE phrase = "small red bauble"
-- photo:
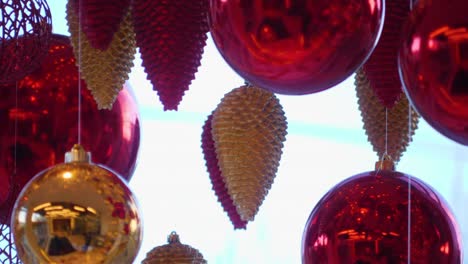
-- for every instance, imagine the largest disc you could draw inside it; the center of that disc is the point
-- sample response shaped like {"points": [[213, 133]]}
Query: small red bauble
{"points": [[296, 47], [364, 219], [433, 64], [46, 120], [25, 32]]}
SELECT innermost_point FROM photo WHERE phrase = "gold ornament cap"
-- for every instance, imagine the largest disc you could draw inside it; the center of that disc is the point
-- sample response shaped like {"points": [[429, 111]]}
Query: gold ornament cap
{"points": [[174, 253], [77, 154], [386, 163]]}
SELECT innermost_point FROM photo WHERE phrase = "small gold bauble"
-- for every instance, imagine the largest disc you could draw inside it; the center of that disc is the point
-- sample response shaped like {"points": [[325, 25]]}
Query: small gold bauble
{"points": [[174, 253], [76, 212]]}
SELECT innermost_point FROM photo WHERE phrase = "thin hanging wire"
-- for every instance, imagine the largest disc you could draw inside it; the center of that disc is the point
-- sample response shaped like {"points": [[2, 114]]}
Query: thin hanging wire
{"points": [[384, 155], [79, 73], [409, 175], [15, 151]]}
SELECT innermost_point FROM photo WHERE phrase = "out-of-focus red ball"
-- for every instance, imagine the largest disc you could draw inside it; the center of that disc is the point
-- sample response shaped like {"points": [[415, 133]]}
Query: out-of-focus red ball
{"points": [[295, 47], [433, 63], [364, 219], [46, 120]]}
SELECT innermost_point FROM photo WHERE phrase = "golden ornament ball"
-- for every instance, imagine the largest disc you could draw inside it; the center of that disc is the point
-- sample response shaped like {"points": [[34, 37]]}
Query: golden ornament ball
{"points": [[76, 212], [174, 253]]}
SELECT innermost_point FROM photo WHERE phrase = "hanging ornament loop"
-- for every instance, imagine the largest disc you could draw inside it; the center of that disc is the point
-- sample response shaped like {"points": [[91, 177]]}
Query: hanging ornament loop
{"points": [[77, 154], [173, 238]]}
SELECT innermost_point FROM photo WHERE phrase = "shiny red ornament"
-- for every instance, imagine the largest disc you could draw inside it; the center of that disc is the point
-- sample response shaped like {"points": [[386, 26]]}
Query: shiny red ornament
{"points": [[171, 35], [296, 47], [46, 118], [219, 187], [433, 62], [364, 219], [26, 29], [381, 68], [100, 20]]}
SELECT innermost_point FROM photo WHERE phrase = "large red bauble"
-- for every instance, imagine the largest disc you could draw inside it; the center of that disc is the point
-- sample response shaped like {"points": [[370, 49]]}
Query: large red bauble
{"points": [[296, 46], [433, 64], [46, 118], [364, 219]]}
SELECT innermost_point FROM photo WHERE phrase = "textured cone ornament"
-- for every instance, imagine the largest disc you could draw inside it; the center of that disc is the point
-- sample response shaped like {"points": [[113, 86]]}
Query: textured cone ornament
{"points": [[249, 128], [100, 20], [208, 147], [382, 66], [105, 72], [174, 253], [171, 36], [374, 116]]}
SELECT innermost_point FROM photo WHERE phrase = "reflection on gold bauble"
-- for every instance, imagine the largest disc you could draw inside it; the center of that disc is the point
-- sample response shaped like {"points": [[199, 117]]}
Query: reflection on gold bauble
{"points": [[174, 253], [76, 212]]}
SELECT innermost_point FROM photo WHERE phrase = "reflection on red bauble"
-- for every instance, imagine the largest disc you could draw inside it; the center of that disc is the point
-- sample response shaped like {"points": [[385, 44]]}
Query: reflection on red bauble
{"points": [[295, 47], [364, 219], [434, 65], [47, 120]]}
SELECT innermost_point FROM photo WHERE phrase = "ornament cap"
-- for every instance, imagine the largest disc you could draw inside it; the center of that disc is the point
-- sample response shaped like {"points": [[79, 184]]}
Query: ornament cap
{"points": [[77, 154], [386, 163], [173, 238]]}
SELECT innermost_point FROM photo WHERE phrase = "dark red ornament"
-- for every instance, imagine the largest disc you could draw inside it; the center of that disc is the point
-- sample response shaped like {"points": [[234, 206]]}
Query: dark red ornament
{"points": [[26, 28], [100, 20], [217, 181], [47, 120], [364, 219], [296, 47], [171, 35], [433, 62], [381, 68]]}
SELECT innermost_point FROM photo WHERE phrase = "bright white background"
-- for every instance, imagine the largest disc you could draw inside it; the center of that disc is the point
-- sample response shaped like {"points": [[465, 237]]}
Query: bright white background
{"points": [[325, 144]]}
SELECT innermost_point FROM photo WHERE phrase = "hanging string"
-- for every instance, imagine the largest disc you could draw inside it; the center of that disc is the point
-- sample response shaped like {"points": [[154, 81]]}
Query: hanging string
{"points": [[79, 73], [15, 151], [409, 175], [385, 154]]}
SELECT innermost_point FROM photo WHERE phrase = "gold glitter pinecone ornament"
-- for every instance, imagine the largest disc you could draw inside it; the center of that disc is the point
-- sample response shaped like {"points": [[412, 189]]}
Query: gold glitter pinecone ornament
{"points": [[174, 253], [248, 128], [378, 120], [105, 72]]}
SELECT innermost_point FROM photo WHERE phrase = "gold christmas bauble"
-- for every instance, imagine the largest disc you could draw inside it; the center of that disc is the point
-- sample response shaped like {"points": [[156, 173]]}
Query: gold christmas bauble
{"points": [[76, 212], [174, 253]]}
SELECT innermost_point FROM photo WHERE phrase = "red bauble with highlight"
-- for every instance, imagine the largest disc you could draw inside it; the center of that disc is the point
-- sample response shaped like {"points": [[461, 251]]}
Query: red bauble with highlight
{"points": [[433, 64], [296, 47], [47, 124], [364, 219]]}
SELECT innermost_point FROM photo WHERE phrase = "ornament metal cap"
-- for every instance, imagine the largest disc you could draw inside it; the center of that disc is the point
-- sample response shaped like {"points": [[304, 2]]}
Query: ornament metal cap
{"points": [[386, 163], [77, 154]]}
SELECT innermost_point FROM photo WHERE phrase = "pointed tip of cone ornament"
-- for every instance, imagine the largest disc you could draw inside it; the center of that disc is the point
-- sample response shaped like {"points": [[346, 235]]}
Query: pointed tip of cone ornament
{"points": [[171, 36], [387, 129], [219, 187], [105, 72], [248, 128]]}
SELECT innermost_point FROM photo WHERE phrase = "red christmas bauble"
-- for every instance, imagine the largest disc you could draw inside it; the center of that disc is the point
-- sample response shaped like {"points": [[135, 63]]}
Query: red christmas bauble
{"points": [[364, 219], [433, 64], [25, 32], [46, 120], [296, 47]]}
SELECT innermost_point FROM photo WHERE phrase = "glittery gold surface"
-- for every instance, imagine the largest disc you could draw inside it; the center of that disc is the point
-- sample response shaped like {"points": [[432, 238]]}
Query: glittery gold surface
{"points": [[249, 128], [374, 115], [174, 253], [76, 213], [105, 72]]}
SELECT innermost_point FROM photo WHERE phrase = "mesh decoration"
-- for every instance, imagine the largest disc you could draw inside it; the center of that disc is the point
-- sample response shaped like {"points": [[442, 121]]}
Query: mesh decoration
{"points": [[382, 66], [101, 19], [7, 246], [378, 120], [248, 129], [171, 35], [174, 253], [105, 72], [26, 28], [208, 147]]}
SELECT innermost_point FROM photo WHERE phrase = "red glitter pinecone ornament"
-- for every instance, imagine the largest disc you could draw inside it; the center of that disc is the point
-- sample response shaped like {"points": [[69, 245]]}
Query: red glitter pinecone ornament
{"points": [[381, 68], [171, 35], [101, 19]]}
